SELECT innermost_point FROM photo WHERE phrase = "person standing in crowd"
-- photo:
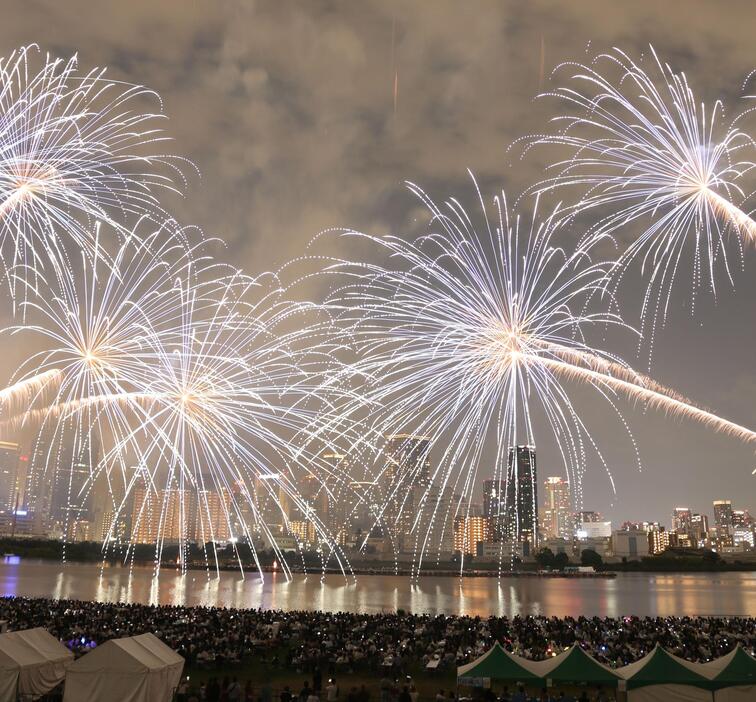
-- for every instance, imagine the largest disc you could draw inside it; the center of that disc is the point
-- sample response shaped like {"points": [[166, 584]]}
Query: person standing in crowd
{"points": [[332, 691], [234, 691]]}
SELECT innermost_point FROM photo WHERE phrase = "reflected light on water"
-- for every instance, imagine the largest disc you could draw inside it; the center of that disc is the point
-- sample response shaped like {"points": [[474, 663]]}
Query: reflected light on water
{"points": [[631, 593]]}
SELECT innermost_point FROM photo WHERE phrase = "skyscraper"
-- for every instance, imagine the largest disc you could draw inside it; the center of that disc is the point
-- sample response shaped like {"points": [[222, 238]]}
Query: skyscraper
{"points": [[682, 520], [60, 476], [158, 514], [522, 497], [557, 512], [213, 516], [494, 507], [407, 458], [9, 457], [407, 468], [700, 526], [723, 513]]}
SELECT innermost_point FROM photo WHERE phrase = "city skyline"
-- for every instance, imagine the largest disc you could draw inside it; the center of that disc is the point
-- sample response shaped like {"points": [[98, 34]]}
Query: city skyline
{"points": [[494, 524]]}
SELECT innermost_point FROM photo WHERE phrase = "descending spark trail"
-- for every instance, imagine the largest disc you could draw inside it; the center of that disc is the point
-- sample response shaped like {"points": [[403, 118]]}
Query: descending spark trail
{"points": [[185, 383], [648, 154], [468, 339], [74, 148]]}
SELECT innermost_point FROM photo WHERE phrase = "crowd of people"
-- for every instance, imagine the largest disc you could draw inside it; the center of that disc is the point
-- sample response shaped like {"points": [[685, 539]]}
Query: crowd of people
{"points": [[388, 644]]}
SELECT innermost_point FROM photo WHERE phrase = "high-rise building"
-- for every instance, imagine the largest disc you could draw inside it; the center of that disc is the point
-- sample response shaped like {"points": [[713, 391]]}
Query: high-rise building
{"points": [[522, 498], [469, 532], [700, 527], [213, 516], [658, 540], [722, 513], [682, 520], [407, 468], [61, 477], [304, 531], [741, 519], [339, 506], [407, 458], [494, 506], [159, 514], [9, 460], [557, 510], [588, 516]]}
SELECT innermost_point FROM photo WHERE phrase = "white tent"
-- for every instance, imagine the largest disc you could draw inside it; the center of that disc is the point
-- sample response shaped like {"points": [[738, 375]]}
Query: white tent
{"points": [[32, 662], [135, 669]]}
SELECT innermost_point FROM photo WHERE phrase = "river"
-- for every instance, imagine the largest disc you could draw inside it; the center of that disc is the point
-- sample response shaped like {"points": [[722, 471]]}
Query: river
{"points": [[641, 594]]}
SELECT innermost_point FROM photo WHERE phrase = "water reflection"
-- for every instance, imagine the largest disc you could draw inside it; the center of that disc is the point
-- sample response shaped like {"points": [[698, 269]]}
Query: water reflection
{"points": [[641, 594]]}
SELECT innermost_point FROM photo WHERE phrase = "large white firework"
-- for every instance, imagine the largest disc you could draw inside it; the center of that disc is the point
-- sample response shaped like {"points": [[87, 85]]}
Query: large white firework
{"points": [[74, 148], [190, 388], [468, 337], [665, 172]]}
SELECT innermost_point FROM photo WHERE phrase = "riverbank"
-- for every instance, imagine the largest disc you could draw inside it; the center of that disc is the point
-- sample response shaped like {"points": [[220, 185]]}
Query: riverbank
{"points": [[228, 560]]}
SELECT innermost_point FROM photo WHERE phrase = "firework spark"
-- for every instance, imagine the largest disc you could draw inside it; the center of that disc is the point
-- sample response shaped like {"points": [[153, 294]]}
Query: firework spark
{"points": [[193, 399], [648, 152], [469, 336], [74, 148]]}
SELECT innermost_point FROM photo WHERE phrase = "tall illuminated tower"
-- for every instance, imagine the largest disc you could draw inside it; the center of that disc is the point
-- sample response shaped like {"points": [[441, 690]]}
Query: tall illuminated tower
{"points": [[522, 498]]}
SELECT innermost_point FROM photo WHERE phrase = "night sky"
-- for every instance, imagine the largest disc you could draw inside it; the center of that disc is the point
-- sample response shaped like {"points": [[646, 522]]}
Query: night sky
{"points": [[305, 116]]}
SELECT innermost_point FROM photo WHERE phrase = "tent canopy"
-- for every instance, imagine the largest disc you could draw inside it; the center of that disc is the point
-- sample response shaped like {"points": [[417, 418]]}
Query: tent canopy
{"points": [[736, 668], [497, 664], [135, 669], [662, 668], [671, 677], [32, 662], [574, 666]]}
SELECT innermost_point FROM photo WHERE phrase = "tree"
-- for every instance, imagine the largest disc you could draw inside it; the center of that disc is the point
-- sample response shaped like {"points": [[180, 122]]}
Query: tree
{"points": [[589, 557], [545, 558], [561, 560]]}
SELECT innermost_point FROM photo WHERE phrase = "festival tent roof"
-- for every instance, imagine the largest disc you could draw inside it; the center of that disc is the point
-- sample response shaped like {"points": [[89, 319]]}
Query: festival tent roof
{"points": [[573, 666], [735, 668], [662, 677], [32, 662], [733, 676], [135, 669], [662, 668], [497, 664]]}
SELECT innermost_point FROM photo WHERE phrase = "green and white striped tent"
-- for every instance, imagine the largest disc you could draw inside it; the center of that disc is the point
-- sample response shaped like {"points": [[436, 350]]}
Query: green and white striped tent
{"points": [[733, 676], [662, 677], [573, 667], [496, 664], [657, 677]]}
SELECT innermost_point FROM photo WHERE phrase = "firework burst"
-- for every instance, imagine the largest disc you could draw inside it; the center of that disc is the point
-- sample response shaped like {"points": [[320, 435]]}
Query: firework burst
{"points": [[189, 388], [643, 148], [74, 148], [468, 336]]}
